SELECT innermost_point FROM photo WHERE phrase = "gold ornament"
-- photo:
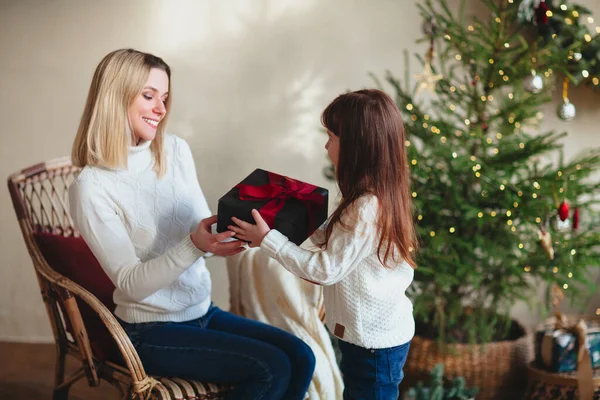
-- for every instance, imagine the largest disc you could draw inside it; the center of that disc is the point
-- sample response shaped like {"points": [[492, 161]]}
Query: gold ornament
{"points": [[546, 242], [427, 79]]}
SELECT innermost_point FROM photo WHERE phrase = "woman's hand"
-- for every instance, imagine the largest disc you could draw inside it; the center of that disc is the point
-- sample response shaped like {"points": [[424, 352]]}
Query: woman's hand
{"points": [[205, 240], [253, 234]]}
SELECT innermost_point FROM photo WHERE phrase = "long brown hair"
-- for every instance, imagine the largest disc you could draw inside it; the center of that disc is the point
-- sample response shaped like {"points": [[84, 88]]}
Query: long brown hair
{"points": [[105, 133], [372, 160]]}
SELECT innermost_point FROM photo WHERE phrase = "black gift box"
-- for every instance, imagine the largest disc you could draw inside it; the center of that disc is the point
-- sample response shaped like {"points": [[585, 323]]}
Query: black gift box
{"points": [[294, 208]]}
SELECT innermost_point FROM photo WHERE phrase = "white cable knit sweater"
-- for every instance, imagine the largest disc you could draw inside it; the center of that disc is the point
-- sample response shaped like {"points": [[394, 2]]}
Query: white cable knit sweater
{"points": [[365, 303], [138, 227]]}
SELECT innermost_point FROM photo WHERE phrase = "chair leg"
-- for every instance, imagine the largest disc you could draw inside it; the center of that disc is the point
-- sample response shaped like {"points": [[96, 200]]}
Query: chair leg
{"points": [[61, 391]]}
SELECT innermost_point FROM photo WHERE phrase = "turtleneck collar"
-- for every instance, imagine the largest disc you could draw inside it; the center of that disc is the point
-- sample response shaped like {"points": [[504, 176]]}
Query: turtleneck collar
{"points": [[140, 148]]}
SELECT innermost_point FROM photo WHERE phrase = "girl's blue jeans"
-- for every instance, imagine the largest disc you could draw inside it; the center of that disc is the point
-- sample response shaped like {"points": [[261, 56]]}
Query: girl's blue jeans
{"points": [[259, 360], [372, 374]]}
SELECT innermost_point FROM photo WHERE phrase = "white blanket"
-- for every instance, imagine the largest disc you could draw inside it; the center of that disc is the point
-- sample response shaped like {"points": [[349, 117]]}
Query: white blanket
{"points": [[263, 290]]}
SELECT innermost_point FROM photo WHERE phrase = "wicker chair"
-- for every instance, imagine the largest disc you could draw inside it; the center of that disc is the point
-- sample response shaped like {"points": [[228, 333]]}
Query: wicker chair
{"points": [[80, 312]]}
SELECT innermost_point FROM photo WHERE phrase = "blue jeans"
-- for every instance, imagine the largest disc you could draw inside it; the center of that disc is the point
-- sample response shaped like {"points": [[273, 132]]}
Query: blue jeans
{"points": [[372, 374], [259, 360]]}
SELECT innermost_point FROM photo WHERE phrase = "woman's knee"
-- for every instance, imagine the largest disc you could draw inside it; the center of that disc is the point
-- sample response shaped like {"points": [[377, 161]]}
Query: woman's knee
{"points": [[276, 368]]}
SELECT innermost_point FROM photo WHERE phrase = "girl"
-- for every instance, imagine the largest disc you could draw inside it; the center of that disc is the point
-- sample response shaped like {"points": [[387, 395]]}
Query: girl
{"points": [[140, 209], [366, 255]]}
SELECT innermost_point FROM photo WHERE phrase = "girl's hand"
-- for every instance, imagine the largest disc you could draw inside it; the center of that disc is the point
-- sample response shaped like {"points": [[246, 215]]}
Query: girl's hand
{"points": [[253, 234]]}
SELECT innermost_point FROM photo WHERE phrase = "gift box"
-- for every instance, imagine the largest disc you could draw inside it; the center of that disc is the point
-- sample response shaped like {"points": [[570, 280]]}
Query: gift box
{"points": [[294, 208], [557, 346]]}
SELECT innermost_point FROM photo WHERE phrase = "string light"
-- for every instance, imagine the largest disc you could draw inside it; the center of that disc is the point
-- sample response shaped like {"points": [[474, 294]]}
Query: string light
{"points": [[443, 139], [502, 187], [432, 233], [509, 222], [425, 125], [480, 214], [511, 96], [597, 311], [521, 245], [536, 185], [512, 228], [454, 155], [470, 28], [496, 151], [508, 213], [409, 106], [447, 37], [453, 88], [463, 87], [527, 268], [595, 81], [426, 117], [575, 13], [507, 45], [451, 229], [565, 286], [590, 20], [458, 57], [515, 204], [555, 270], [491, 60], [505, 78], [559, 173], [573, 252], [534, 195], [493, 213], [538, 220], [414, 194], [519, 193], [413, 117], [490, 98], [563, 7], [467, 122], [498, 20], [587, 37], [407, 143], [452, 107], [570, 274], [522, 145], [420, 217], [473, 158], [414, 162], [489, 140], [549, 14]]}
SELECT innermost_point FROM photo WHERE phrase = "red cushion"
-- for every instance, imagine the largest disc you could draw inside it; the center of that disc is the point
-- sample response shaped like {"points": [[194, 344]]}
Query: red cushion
{"points": [[71, 257]]}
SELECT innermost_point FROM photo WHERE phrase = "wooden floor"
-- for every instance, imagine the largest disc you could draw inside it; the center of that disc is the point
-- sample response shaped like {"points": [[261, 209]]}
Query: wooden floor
{"points": [[27, 373]]}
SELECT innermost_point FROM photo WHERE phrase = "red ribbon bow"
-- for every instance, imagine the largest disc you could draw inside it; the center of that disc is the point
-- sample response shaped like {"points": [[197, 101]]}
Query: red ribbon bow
{"points": [[278, 191]]}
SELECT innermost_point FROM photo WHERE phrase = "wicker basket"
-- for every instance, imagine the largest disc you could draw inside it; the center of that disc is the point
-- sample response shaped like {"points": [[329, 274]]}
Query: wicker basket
{"points": [[544, 385], [497, 369]]}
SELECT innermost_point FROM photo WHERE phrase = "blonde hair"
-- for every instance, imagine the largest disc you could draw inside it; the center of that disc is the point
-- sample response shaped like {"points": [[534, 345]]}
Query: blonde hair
{"points": [[105, 134]]}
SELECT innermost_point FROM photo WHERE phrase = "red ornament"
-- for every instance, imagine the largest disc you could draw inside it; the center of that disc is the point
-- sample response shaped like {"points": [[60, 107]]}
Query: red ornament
{"points": [[563, 211], [485, 126], [540, 14], [576, 218]]}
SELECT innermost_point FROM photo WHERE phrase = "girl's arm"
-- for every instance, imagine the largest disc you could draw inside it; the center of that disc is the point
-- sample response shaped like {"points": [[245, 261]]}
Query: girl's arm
{"points": [[346, 247]]}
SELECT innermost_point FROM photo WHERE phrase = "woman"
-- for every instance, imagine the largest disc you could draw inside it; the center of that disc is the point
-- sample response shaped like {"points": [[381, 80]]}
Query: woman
{"points": [[140, 209]]}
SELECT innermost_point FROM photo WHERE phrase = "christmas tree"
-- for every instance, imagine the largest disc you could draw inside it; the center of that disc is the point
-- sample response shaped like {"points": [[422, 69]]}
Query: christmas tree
{"points": [[499, 210]]}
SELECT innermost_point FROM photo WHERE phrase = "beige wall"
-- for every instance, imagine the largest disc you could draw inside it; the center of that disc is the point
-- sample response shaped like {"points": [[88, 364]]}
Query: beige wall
{"points": [[249, 81]]}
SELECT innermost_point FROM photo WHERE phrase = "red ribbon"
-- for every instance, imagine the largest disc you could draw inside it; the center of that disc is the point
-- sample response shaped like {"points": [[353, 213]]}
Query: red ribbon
{"points": [[278, 191]]}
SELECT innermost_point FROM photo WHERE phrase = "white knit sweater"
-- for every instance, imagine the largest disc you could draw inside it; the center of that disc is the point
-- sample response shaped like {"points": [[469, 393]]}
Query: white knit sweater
{"points": [[138, 227], [365, 303]]}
